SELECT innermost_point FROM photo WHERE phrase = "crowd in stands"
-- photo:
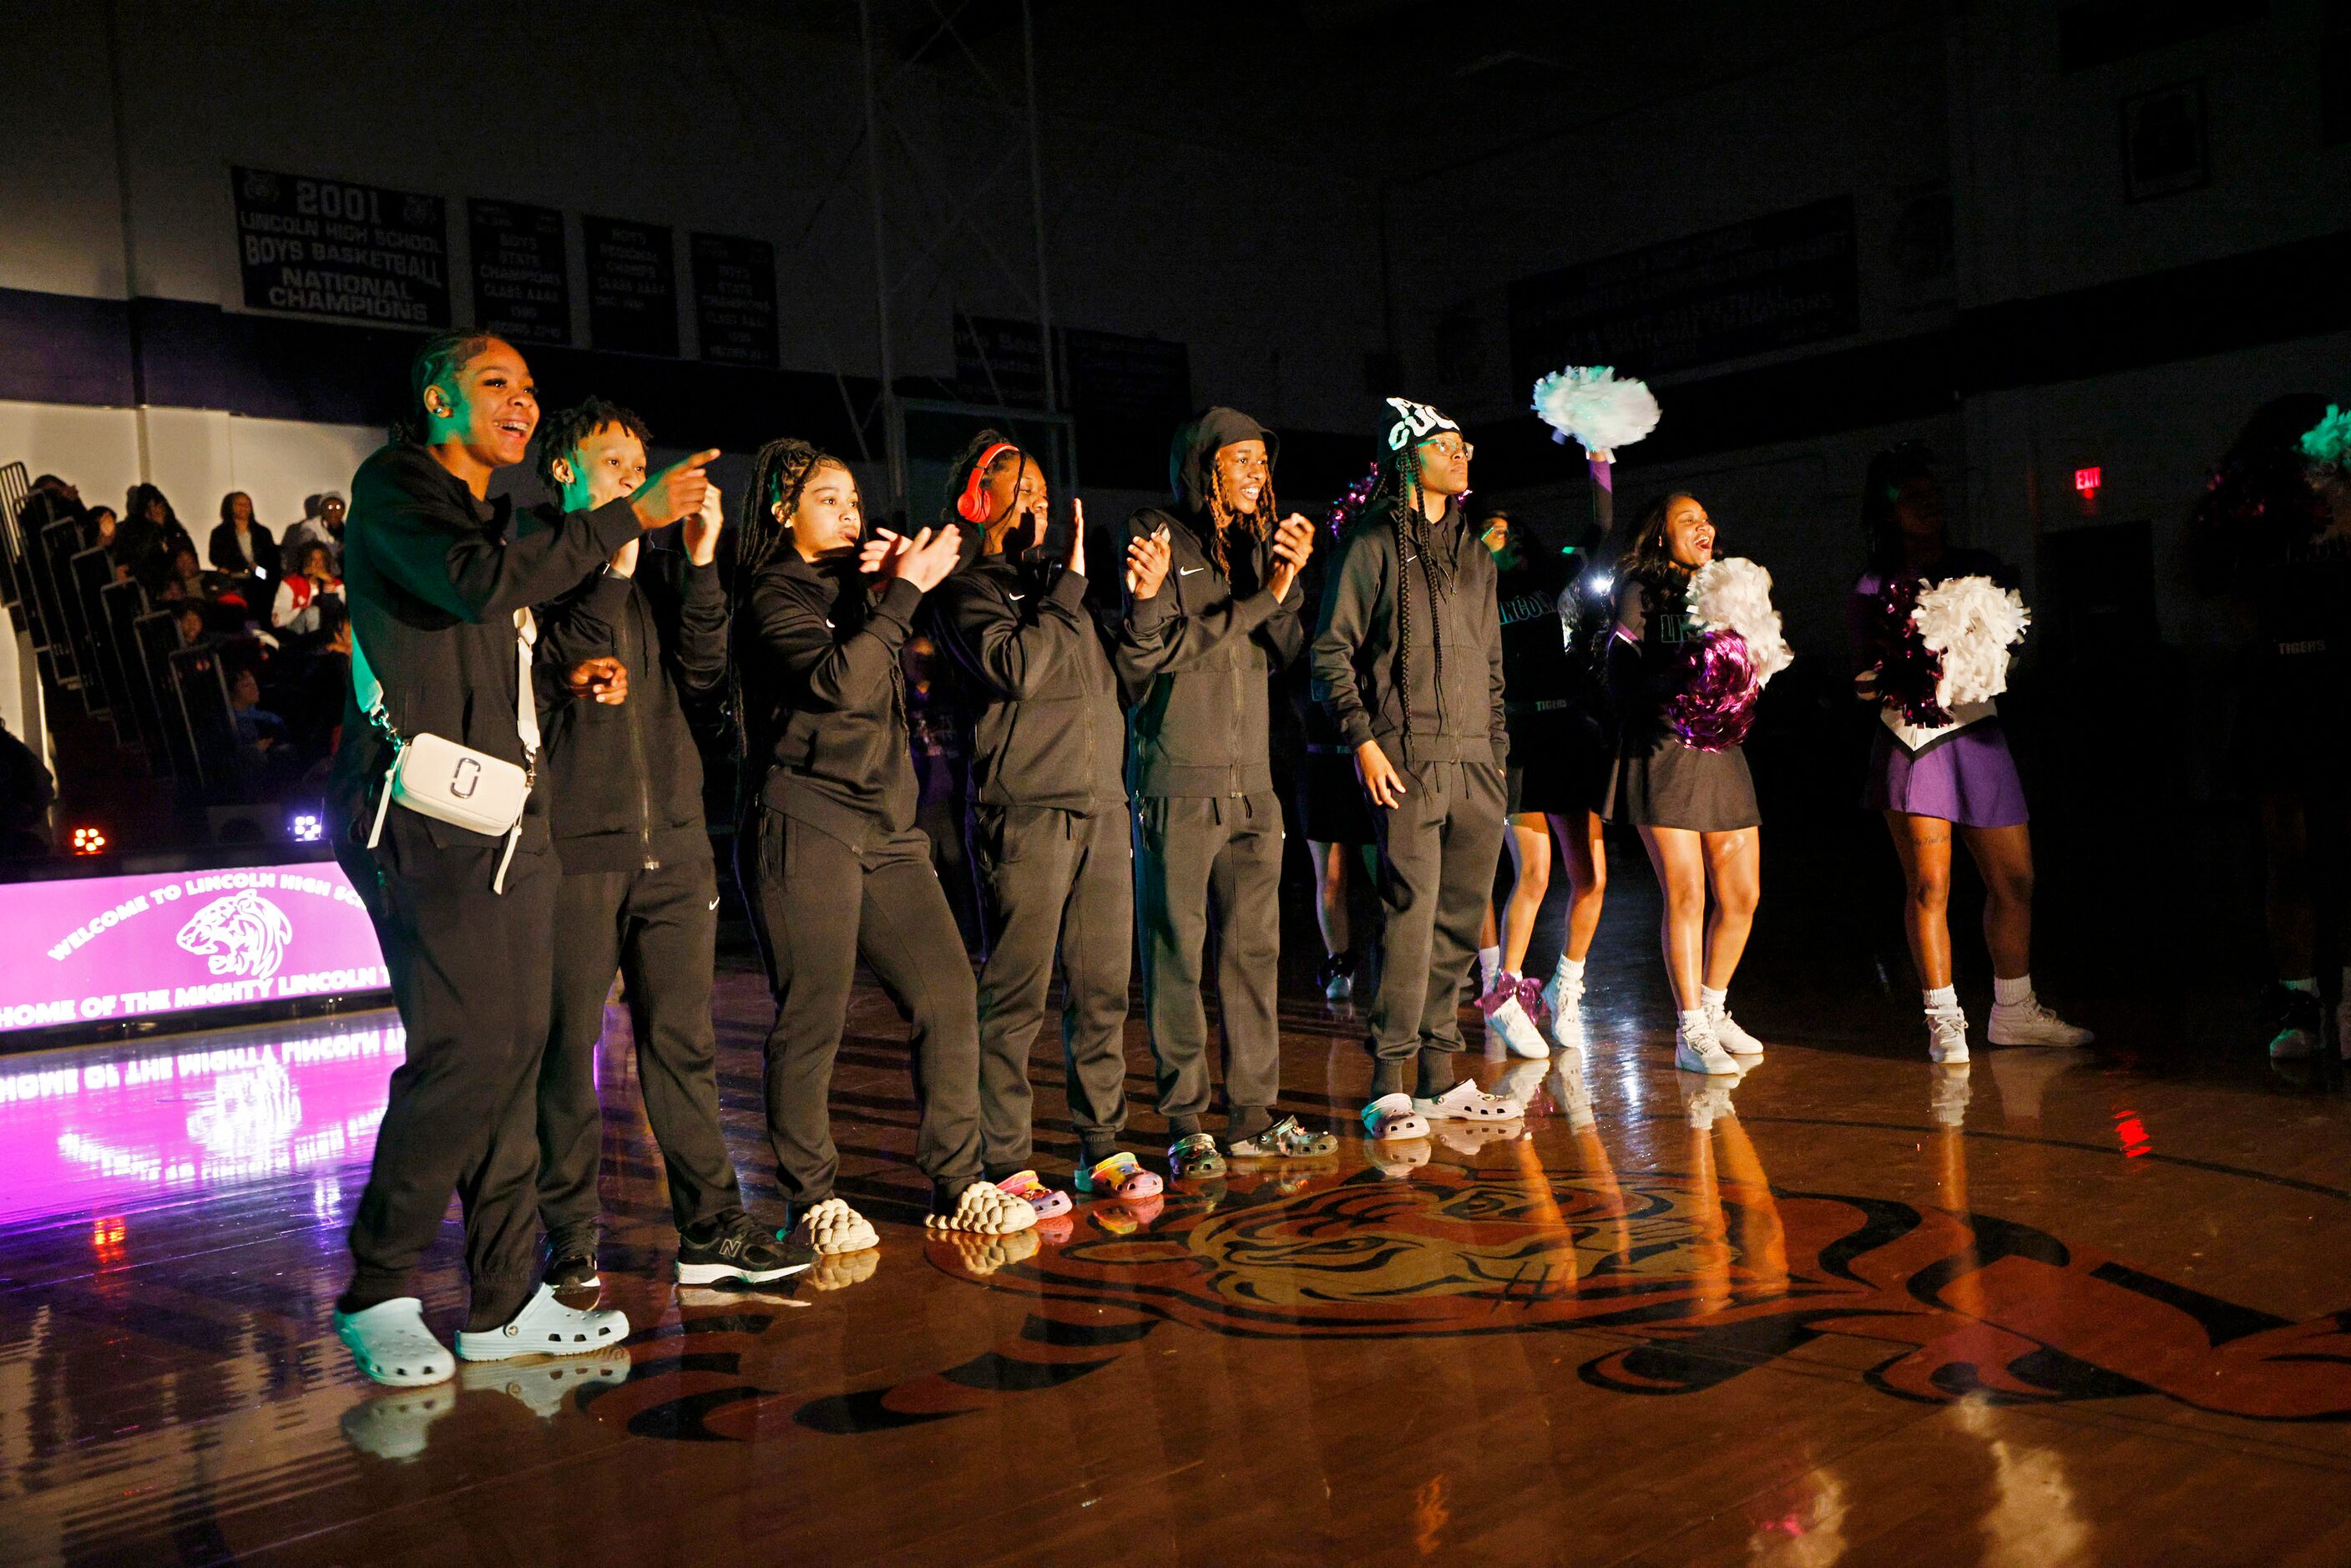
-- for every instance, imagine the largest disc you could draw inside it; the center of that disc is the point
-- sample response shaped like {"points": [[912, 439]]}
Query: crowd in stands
{"points": [[269, 609]]}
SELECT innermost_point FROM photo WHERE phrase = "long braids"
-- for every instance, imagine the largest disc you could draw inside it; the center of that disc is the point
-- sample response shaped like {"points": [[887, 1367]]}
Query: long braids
{"points": [[1399, 490], [778, 473], [1221, 517]]}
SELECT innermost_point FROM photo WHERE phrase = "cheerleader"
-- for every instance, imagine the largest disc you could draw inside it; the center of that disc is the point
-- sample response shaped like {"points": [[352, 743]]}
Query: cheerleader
{"points": [[827, 854], [1695, 808], [1408, 659], [1558, 766], [1927, 781]]}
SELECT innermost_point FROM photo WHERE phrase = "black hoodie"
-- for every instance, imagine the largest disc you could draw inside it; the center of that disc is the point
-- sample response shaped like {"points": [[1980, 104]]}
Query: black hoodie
{"points": [[433, 581], [1046, 725], [826, 696], [1356, 661], [628, 778], [1195, 657]]}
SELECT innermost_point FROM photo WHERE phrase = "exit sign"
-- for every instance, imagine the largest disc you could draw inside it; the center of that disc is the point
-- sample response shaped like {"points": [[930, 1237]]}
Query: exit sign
{"points": [[2087, 480]]}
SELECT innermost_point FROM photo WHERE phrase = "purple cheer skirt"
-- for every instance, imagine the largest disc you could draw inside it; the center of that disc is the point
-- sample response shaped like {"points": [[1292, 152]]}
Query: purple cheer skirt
{"points": [[1968, 779]]}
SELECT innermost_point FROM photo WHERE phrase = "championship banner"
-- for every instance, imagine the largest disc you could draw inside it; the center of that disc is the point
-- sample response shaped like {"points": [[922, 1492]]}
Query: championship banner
{"points": [[328, 248], [92, 949], [522, 289]]}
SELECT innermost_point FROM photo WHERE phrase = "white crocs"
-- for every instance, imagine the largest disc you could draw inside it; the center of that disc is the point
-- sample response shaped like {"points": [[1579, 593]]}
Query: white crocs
{"points": [[1391, 1117], [1465, 1101], [546, 1326], [392, 1345], [985, 1209], [832, 1227]]}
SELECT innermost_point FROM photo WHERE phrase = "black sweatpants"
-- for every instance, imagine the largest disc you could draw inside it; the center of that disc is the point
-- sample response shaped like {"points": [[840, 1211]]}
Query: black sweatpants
{"points": [[1194, 856], [660, 929], [1052, 879], [1436, 870], [817, 906], [472, 973]]}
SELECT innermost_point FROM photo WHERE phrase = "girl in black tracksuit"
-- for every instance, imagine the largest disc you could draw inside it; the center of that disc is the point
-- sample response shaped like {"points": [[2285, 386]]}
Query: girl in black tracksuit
{"points": [[1408, 659], [1195, 657], [1048, 822], [827, 854]]}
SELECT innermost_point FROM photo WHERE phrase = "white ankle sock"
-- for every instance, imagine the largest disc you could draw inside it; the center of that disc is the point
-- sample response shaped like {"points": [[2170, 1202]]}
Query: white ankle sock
{"points": [[1570, 970], [1711, 1000], [1942, 1000], [1489, 963], [1692, 1018], [2012, 993]]}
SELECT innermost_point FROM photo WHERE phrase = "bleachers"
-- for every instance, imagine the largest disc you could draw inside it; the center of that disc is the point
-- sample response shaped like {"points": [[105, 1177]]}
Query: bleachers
{"points": [[113, 662]]}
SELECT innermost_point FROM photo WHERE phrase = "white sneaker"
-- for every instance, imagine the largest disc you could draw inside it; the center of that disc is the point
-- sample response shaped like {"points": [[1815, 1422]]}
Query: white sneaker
{"points": [[1730, 1036], [1507, 1017], [2029, 1023], [1946, 1035], [392, 1345], [1564, 998], [546, 1326], [1697, 1051]]}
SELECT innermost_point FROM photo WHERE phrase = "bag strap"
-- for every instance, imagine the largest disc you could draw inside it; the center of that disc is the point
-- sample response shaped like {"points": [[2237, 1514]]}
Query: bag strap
{"points": [[368, 691]]}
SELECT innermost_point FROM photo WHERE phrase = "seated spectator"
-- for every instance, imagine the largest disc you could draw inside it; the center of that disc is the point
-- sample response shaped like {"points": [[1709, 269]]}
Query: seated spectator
{"points": [[194, 626], [100, 524], [149, 537], [302, 597], [263, 759], [323, 524], [50, 499], [240, 546], [27, 792]]}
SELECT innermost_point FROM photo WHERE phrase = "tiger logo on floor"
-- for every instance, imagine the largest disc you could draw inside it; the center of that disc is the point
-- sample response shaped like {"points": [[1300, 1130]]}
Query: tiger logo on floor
{"points": [[1699, 1280]]}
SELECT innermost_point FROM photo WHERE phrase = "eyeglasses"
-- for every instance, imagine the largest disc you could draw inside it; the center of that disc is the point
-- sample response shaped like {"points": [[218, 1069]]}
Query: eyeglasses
{"points": [[1448, 448]]}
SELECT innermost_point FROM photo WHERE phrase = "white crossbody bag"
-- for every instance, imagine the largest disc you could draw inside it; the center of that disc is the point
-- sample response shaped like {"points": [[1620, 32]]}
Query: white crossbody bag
{"points": [[435, 777]]}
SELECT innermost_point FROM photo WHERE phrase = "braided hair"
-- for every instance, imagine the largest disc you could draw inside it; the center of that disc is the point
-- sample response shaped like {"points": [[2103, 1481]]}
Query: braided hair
{"points": [[1258, 524], [438, 359], [1398, 492], [778, 473]]}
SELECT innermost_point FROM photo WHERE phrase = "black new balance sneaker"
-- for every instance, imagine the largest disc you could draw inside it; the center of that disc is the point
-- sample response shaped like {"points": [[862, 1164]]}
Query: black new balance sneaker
{"points": [[735, 1249]]}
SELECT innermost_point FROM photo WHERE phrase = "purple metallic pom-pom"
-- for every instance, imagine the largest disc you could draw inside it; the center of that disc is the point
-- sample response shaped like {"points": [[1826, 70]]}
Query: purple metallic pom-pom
{"points": [[1716, 700], [1909, 672]]}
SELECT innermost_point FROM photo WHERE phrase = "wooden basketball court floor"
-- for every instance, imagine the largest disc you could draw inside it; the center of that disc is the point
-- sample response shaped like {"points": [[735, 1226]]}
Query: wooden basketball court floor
{"points": [[2063, 1307]]}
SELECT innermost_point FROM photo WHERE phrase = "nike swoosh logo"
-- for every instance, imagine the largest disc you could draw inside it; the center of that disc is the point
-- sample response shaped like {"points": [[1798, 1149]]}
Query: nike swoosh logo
{"points": [[1188, 570], [1015, 598], [713, 903]]}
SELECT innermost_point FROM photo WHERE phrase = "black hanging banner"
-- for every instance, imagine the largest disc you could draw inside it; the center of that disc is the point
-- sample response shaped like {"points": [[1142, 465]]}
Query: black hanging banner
{"points": [[999, 362], [1771, 282], [735, 300], [330, 247], [632, 286], [522, 289]]}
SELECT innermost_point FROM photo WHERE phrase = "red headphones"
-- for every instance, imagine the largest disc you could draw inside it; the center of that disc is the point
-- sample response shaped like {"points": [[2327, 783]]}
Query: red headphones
{"points": [[971, 506]]}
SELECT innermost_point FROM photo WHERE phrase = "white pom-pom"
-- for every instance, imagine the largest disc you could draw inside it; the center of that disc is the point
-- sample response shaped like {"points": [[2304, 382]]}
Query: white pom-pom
{"points": [[1731, 593], [1971, 623], [1587, 403]]}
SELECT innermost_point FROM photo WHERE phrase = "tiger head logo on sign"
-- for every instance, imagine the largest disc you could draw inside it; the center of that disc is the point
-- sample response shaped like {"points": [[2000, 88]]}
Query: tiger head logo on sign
{"points": [[242, 933]]}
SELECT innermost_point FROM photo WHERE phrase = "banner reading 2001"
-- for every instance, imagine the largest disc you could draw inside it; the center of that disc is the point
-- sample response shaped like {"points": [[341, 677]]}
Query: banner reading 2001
{"points": [[330, 248]]}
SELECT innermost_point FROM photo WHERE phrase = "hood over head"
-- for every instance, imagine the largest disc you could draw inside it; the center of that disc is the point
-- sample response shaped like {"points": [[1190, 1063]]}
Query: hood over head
{"points": [[1191, 461]]}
